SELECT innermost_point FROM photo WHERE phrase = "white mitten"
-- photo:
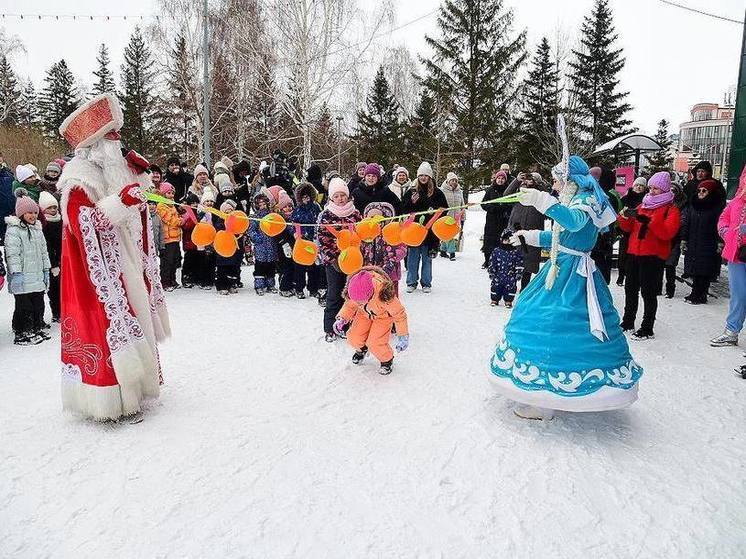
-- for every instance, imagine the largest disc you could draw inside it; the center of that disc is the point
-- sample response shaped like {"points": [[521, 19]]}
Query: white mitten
{"points": [[531, 238], [539, 199]]}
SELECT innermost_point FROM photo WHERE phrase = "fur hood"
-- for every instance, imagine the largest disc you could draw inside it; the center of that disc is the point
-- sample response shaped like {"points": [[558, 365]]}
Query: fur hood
{"points": [[303, 189], [13, 221]]}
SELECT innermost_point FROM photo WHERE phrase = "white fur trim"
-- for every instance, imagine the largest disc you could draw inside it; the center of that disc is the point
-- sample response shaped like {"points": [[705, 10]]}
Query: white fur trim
{"points": [[116, 123], [113, 209], [605, 398], [98, 402]]}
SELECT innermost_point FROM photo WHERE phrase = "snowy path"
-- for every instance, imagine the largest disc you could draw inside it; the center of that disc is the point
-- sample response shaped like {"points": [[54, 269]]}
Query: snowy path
{"points": [[266, 442]]}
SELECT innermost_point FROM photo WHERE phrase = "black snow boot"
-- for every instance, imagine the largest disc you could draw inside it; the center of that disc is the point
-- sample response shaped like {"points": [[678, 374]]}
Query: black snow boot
{"points": [[387, 367], [359, 355]]}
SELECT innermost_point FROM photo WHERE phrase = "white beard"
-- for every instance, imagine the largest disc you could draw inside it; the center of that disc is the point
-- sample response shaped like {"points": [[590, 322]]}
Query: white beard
{"points": [[107, 155]]}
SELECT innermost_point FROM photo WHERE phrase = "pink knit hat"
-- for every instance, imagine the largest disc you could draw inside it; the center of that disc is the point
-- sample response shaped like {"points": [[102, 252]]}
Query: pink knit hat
{"points": [[25, 205], [595, 172], [373, 169], [283, 200], [662, 180], [274, 192], [360, 287], [166, 187], [338, 185]]}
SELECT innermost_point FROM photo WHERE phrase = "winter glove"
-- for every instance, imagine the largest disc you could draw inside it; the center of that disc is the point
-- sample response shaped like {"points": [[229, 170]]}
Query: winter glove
{"points": [[642, 218], [683, 247], [131, 195], [15, 285], [339, 326], [742, 229], [402, 343], [55, 272], [539, 199], [46, 279], [530, 237], [136, 162]]}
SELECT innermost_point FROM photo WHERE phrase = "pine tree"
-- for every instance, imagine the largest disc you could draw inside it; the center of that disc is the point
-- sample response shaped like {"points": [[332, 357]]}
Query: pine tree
{"points": [[379, 127], [540, 107], [137, 100], [660, 160], [421, 135], [324, 141], [472, 73], [599, 107], [9, 93], [28, 112], [59, 98], [104, 76]]}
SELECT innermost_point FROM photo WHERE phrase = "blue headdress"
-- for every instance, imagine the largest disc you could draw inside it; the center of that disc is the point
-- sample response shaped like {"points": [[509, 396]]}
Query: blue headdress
{"points": [[593, 198]]}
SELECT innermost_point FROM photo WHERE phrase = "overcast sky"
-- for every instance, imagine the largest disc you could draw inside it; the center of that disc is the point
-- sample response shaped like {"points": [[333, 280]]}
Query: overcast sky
{"points": [[674, 58]]}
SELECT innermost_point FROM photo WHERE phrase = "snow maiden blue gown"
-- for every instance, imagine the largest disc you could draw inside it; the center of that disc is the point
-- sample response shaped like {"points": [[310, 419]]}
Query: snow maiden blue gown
{"points": [[563, 347]]}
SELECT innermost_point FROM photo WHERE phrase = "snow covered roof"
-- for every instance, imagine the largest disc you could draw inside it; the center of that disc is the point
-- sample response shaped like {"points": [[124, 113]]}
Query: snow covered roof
{"points": [[630, 142]]}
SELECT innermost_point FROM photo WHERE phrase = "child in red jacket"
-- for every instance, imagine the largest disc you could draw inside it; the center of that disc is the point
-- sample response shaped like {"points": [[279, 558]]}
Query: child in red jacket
{"points": [[652, 226], [373, 308]]}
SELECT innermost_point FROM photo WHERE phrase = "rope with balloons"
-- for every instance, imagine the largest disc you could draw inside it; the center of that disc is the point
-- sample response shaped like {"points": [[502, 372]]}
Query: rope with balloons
{"points": [[405, 229]]}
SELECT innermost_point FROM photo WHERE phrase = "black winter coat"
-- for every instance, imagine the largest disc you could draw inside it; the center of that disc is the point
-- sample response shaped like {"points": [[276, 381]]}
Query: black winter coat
{"points": [[699, 231], [363, 195], [180, 182], [53, 235], [424, 202], [497, 216], [526, 218]]}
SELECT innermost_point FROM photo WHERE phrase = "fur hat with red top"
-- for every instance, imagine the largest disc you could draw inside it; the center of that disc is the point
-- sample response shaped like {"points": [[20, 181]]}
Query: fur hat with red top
{"points": [[360, 287], [95, 119]]}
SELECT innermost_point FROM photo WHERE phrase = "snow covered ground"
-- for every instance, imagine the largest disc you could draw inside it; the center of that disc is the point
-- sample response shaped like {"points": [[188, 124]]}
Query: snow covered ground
{"points": [[268, 442]]}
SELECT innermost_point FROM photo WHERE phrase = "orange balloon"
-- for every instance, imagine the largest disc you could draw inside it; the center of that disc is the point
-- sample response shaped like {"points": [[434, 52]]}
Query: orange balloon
{"points": [[368, 229], [347, 238], [350, 260], [392, 233], [272, 224], [413, 234], [446, 228], [203, 234], [305, 252], [225, 244], [237, 222]]}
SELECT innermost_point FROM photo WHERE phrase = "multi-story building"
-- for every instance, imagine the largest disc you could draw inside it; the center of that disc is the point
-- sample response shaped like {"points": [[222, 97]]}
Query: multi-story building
{"points": [[706, 137]]}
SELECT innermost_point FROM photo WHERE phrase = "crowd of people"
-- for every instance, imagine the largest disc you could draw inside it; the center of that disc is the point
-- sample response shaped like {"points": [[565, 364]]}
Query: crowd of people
{"points": [[660, 221]]}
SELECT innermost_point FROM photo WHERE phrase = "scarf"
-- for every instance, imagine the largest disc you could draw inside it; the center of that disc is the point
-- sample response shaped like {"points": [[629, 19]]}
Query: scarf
{"points": [[650, 201], [53, 218], [341, 211]]}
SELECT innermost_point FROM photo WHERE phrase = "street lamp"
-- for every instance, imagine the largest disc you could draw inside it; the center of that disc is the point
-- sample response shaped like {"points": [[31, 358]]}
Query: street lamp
{"points": [[340, 118]]}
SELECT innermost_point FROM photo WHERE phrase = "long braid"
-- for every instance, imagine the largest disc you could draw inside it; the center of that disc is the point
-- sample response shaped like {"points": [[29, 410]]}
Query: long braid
{"points": [[566, 196]]}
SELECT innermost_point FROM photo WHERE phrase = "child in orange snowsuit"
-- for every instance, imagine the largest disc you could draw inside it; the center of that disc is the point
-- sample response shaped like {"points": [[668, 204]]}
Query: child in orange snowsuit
{"points": [[372, 307]]}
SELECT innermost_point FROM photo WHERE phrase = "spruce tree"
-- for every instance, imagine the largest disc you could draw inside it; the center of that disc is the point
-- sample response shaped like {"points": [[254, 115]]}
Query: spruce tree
{"points": [[660, 160], [379, 125], [421, 134], [59, 98], [9, 93], [28, 111], [104, 77], [540, 107], [136, 97], [599, 111], [472, 72]]}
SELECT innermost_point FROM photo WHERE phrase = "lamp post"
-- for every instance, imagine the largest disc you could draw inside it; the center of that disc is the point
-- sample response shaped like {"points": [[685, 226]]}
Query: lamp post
{"points": [[340, 118]]}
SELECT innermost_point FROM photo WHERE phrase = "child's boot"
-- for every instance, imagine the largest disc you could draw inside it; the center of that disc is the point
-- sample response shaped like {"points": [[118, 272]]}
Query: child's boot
{"points": [[359, 355], [387, 367], [259, 285]]}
